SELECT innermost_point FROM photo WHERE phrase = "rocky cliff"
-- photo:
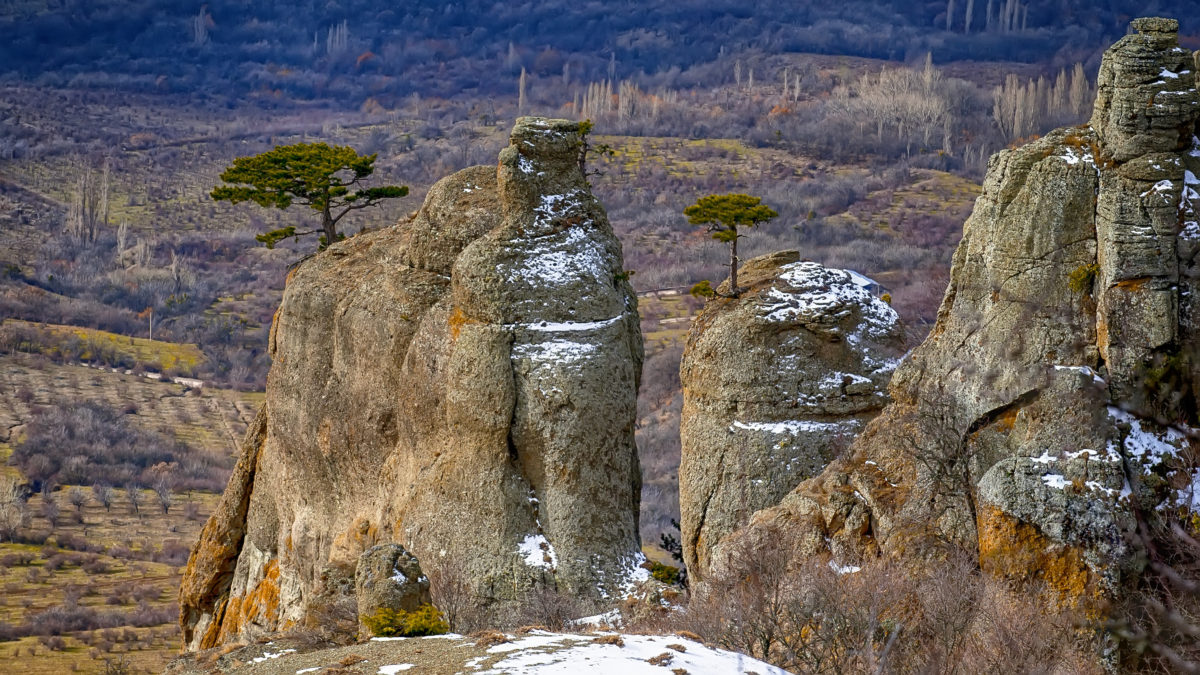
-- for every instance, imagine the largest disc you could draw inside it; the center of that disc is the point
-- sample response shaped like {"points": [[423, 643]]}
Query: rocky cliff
{"points": [[462, 384], [776, 383], [1050, 409]]}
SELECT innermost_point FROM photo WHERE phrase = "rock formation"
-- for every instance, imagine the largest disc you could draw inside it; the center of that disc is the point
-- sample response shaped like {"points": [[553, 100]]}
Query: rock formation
{"points": [[462, 384], [388, 577], [775, 384], [1049, 409]]}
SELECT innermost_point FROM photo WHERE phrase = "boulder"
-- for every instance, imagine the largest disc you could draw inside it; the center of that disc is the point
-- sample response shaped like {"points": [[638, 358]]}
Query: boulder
{"points": [[776, 383], [1052, 404], [388, 577], [462, 384]]}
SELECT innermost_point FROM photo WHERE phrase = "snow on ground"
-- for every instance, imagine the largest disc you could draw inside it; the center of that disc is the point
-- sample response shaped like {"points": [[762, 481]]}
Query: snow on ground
{"points": [[542, 653], [269, 655]]}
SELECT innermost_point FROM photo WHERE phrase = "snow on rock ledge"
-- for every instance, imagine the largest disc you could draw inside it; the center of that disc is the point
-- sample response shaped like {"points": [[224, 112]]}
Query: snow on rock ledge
{"points": [[775, 383]]}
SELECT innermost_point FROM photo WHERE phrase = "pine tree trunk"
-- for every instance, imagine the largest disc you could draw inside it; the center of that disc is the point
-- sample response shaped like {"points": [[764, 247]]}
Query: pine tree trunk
{"points": [[327, 224], [733, 265]]}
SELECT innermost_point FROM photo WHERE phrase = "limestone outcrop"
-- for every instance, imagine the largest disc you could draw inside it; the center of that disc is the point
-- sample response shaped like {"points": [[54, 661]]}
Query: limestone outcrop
{"points": [[463, 384], [1051, 407], [776, 383], [388, 578]]}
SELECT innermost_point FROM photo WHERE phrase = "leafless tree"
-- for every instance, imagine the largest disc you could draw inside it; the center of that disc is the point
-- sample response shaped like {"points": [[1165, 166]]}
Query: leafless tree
{"points": [[103, 493], [164, 492], [133, 494], [522, 83], [89, 203], [50, 509], [13, 512]]}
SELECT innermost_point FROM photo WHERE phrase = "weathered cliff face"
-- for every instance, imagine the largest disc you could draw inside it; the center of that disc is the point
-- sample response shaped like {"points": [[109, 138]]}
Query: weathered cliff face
{"points": [[463, 384], [1029, 426], [776, 383]]}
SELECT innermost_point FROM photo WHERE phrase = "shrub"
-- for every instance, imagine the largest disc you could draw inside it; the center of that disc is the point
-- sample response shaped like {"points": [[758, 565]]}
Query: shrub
{"points": [[425, 620], [1081, 278], [668, 574]]}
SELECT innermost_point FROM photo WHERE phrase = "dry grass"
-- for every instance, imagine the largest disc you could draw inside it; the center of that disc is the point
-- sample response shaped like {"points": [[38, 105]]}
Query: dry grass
{"points": [[124, 537], [155, 354], [124, 577]]}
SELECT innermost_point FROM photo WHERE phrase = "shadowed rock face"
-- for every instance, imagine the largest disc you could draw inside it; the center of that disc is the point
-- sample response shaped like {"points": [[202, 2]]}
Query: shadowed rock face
{"points": [[775, 384], [463, 384], [1028, 425]]}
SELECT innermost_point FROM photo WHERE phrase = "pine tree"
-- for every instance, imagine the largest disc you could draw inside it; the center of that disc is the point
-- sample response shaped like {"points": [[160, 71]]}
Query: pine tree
{"points": [[327, 179]]}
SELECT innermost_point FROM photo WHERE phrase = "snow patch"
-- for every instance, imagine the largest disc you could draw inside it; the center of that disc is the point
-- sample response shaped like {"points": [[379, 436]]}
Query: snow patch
{"points": [[1085, 370], [534, 550], [560, 258], [795, 427], [563, 352], [542, 653], [1145, 444], [268, 655], [1161, 187], [569, 326], [1072, 156], [807, 291], [392, 670], [844, 569], [1055, 480]]}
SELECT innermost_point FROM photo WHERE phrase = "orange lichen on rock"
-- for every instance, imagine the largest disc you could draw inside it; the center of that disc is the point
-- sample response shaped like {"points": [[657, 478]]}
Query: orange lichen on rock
{"points": [[1018, 552], [1133, 284], [457, 320], [259, 605]]}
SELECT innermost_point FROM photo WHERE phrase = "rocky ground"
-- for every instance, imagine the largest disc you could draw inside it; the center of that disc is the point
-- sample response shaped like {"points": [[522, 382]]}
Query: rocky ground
{"points": [[533, 652]]}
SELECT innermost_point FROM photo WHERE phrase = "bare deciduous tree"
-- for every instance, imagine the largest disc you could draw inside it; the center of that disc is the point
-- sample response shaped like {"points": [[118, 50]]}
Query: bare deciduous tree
{"points": [[103, 494], [165, 493], [13, 512], [133, 495]]}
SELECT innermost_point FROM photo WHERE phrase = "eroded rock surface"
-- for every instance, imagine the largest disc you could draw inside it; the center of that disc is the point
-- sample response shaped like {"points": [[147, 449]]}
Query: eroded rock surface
{"points": [[388, 578], [775, 384], [463, 384], [1050, 407]]}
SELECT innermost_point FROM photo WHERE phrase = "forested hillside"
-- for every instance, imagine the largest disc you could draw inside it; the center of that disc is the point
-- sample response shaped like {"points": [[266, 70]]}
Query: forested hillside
{"points": [[354, 50]]}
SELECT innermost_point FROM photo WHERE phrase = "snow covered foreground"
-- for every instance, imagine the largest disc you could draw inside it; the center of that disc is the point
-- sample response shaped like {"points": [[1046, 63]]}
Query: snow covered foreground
{"points": [[535, 652], [542, 653]]}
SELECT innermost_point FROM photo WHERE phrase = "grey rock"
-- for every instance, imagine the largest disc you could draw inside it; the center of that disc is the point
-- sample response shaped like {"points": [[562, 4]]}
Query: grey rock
{"points": [[1029, 422], [775, 383], [463, 384], [388, 577]]}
